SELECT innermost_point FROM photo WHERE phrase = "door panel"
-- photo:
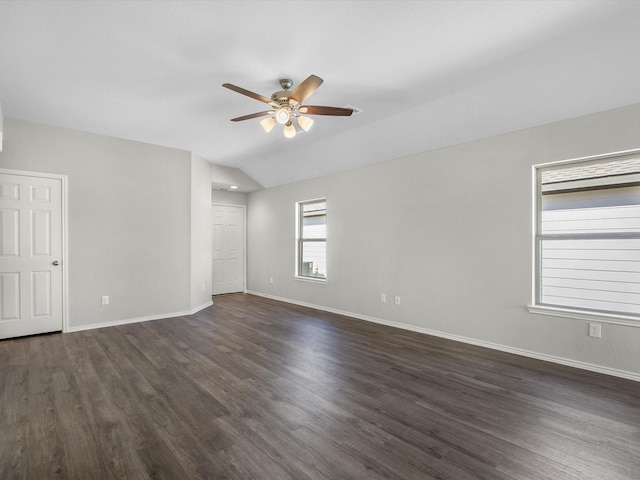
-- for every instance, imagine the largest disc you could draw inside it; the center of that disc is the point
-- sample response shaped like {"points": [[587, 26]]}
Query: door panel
{"points": [[10, 296], [218, 271], [9, 190], [41, 232], [41, 293], [30, 243], [234, 267], [228, 249], [9, 240]]}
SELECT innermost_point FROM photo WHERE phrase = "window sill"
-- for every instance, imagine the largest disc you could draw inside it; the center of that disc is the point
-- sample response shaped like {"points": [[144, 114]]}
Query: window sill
{"points": [[310, 279], [582, 315]]}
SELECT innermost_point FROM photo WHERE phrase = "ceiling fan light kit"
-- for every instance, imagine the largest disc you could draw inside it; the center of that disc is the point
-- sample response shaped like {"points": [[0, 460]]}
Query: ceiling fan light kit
{"points": [[268, 124], [283, 115], [289, 130], [305, 123], [287, 106]]}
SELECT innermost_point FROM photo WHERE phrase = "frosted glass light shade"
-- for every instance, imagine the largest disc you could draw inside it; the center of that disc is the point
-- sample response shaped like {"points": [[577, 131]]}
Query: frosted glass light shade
{"points": [[289, 130], [283, 115], [268, 124], [305, 123]]}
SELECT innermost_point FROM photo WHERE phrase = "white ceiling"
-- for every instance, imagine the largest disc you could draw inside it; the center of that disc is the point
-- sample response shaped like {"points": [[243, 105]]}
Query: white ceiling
{"points": [[425, 74]]}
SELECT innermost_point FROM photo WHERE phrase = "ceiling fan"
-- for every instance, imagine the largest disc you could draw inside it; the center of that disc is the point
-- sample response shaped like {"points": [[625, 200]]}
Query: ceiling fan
{"points": [[287, 108]]}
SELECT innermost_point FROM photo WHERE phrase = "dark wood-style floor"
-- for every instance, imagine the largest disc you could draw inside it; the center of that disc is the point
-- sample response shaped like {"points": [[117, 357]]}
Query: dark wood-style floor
{"points": [[254, 388]]}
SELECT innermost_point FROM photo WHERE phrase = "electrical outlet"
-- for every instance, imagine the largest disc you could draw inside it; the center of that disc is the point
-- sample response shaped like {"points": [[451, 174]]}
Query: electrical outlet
{"points": [[397, 300], [270, 279], [105, 300], [595, 330], [203, 287], [383, 298]]}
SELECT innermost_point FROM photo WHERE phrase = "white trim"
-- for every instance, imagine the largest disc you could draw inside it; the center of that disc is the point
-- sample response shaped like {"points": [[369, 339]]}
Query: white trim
{"points": [[1, 126], [201, 307], [472, 341], [127, 321], [298, 240], [64, 179], [244, 246], [534, 230], [310, 279], [621, 153], [227, 204], [567, 312], [628, 321], [65, 254]]}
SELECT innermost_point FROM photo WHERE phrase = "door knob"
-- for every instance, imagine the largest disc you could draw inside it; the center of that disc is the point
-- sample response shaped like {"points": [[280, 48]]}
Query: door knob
{"points": [[55, 263]]}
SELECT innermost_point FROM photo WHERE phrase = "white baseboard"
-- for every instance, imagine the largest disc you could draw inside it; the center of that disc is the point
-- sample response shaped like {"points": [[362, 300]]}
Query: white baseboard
{"points": [[481, 343], [114, 323]]}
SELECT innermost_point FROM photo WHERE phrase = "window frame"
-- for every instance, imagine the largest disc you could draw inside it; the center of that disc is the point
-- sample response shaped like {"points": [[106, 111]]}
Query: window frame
{"points": [[537, 306], [300, 241]]}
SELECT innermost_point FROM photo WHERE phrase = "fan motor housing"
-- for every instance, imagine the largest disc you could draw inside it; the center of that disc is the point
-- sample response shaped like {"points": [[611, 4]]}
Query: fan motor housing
{"points": [[281, 97]]}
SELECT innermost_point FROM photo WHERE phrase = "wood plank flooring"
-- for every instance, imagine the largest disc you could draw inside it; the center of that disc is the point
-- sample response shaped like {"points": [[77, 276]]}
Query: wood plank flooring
{"points": [[252, 388]]}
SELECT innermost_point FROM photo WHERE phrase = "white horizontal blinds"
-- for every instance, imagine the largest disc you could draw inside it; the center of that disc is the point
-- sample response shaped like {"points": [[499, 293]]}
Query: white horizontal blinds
{"points": [[595, 211], [589, 236], [313, 236], [314, 220], [596, 274]]}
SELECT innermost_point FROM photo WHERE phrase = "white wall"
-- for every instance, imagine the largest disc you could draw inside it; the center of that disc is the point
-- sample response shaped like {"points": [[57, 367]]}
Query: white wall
{"points": [[228, 198], [129, 219], [450, 232], [224, 177], [201, 232]]}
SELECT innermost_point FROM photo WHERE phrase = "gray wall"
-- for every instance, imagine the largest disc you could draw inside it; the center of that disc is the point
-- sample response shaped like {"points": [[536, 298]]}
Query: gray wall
{"points": [[201, 232], [228, 198], [224, 177], [129, 219], [450, 232]]}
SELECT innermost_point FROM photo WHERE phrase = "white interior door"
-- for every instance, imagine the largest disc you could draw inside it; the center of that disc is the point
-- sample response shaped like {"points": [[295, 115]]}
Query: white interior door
{"points": [[30, 255], [228, 249]]}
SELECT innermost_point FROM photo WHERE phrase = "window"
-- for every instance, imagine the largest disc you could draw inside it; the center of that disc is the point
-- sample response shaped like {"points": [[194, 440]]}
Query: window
{"points": [[587, 243], [311, 257]]}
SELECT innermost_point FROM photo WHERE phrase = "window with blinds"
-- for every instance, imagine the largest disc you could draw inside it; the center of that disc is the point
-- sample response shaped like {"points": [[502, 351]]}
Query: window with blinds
{"points": [[588, 235], [312, 239]]}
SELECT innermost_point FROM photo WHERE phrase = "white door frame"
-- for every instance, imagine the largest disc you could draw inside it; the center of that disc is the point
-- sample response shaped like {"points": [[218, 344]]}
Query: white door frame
{"points": [[244, 235], [65, 234]]}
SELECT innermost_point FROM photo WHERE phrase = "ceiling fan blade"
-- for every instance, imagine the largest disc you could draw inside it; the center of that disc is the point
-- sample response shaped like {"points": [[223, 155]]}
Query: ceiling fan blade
{"points": [[306, 88], [319, 110], [252, 115], [241, 90]]}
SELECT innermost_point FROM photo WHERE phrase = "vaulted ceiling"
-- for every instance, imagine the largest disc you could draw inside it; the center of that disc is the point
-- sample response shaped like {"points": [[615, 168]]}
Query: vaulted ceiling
{"points": [[426, 74]]}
